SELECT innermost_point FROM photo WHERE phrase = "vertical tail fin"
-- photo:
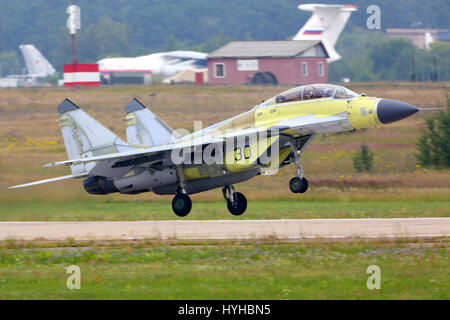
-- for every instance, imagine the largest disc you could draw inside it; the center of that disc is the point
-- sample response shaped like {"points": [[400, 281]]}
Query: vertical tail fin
{"points": [[85, 137], [144, 127], [35, 61], [326, 24]]}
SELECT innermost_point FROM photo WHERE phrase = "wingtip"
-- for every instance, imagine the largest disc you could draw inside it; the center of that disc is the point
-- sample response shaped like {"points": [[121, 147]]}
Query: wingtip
{"points": [[133, 105], [66, 105]]}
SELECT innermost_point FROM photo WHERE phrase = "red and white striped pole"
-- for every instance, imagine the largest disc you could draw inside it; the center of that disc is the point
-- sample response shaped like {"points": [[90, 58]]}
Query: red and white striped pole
{"points": [[78, 74]]}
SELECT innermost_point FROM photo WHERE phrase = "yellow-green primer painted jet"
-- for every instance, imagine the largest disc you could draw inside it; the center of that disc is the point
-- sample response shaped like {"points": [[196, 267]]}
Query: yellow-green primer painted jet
{"points": [[271, 135]]}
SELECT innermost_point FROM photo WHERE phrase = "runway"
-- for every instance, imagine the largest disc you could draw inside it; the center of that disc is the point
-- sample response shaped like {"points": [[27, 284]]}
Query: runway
{"points": [[227, 229]]}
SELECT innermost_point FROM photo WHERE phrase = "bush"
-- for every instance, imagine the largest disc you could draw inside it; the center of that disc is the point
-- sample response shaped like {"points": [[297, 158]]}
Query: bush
{"points": [[362, 160], [434, 144], [53, 79]]}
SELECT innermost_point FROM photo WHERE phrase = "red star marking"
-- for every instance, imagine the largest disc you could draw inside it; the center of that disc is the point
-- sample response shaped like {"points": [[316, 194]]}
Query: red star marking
{"points": [[36, 61]]}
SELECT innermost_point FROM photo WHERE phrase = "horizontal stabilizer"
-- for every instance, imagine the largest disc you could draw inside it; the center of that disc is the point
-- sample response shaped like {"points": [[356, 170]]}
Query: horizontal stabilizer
{"points": [[72, 176]]}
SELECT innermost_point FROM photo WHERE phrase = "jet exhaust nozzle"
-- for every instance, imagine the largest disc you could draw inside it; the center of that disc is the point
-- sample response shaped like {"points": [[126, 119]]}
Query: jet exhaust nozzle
{"points": [[99, 185], [389, 111]]}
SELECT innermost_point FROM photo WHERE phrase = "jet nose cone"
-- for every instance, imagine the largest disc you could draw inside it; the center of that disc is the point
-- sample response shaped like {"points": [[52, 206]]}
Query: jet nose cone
{"points": [[392, 110]]}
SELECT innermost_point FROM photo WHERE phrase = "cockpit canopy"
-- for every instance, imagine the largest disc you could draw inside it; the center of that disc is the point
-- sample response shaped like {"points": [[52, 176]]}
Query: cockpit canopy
{"points": [[310, 92]]}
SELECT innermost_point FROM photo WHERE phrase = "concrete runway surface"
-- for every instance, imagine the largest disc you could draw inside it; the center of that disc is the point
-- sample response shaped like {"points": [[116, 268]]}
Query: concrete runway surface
{"points": [[227, 229]]}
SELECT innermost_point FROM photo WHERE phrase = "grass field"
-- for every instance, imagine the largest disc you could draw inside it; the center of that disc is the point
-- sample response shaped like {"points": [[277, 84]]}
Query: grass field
{"points": [[396, 187], [312, 270], [83, 210]]}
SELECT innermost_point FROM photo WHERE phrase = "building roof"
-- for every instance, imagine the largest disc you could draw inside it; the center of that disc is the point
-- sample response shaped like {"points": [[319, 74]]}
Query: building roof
{"points": [[410, 31], [264, 49]]}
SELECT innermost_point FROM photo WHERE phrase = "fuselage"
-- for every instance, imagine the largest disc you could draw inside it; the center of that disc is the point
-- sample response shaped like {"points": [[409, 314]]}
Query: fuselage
{"points": [[164, 64], [317, 101], [257, 141]]}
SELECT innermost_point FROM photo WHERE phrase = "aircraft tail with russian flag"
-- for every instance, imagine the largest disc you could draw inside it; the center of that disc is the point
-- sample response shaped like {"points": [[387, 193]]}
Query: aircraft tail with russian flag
{"points": [[326, 24]]}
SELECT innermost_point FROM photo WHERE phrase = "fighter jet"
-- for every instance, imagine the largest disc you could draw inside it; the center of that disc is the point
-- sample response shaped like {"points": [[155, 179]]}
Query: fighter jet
{"points": [[37, 66], [271, 135]]}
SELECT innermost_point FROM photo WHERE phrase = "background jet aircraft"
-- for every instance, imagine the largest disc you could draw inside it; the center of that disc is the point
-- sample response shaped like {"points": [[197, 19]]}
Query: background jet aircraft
{"points": [[164, 64], [37, 66], [326, 24], [270, 135]]}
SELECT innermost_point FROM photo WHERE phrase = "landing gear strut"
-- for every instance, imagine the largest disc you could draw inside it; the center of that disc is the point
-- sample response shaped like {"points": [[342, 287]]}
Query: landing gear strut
{"points": [[236, 201], [297, 184], [181, 203]]}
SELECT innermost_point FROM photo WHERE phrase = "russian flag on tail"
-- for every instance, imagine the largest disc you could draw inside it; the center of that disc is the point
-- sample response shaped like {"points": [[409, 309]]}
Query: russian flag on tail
{"points": [[312, 32], [81, 74]]}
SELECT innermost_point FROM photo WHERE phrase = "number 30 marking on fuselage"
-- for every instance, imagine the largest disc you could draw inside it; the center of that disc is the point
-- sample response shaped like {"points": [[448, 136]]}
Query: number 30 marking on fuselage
{"points": [[238, 153]]}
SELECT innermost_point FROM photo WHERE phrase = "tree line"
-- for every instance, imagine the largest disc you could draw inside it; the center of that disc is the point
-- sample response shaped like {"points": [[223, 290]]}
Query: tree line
{"points": [[124, 28]]}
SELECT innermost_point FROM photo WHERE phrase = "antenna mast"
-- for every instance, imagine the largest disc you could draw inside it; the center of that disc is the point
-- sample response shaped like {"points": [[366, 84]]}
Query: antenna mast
{"points": [[73, 24]]}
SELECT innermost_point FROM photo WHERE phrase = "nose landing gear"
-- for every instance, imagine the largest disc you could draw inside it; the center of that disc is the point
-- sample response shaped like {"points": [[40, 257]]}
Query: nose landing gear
{"points": [[236, 201], [298, 185]]}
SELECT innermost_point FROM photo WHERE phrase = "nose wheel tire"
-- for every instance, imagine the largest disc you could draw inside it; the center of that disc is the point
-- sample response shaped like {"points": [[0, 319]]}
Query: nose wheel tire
{"points": [[181, 205], [239, 205], [298, 185]]}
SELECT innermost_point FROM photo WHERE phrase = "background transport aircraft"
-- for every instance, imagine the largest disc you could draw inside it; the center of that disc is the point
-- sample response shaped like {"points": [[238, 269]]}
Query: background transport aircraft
{"points": [[326, 24], [38, 68], [271, 135], [164, 64]]}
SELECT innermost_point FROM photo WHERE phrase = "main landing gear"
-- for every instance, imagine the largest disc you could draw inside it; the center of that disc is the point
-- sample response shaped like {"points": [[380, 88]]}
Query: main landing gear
{"points": [[297, 184], [181, 203], [236, 201]]}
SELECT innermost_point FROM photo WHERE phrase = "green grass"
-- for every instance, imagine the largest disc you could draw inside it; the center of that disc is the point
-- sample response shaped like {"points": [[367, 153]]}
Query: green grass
{"points": [[97, 209], [396, 187], [245, 271]]}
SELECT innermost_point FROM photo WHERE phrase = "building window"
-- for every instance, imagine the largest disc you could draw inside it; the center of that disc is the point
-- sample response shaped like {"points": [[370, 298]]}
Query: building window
{"points": [[219, 70], [305, 69], [320, 69]]}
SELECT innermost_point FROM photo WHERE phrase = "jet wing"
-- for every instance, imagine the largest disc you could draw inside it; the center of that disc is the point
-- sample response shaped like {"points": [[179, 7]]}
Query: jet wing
{"points": [[150, 153], [180, 54], [117, 163], [129, 155]]}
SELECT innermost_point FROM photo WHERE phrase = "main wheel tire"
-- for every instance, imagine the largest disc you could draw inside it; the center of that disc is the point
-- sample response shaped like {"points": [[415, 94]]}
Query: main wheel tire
{"points": [[298, 185], [239, 204], [181, 205]]}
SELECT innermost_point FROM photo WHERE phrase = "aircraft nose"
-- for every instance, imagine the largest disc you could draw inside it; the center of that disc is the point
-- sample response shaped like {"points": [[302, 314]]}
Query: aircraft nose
{"points": [[392, 110]]}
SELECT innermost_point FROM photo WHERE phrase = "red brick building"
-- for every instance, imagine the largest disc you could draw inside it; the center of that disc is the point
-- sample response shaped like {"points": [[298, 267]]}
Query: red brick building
{"points": [[292, 62]]}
